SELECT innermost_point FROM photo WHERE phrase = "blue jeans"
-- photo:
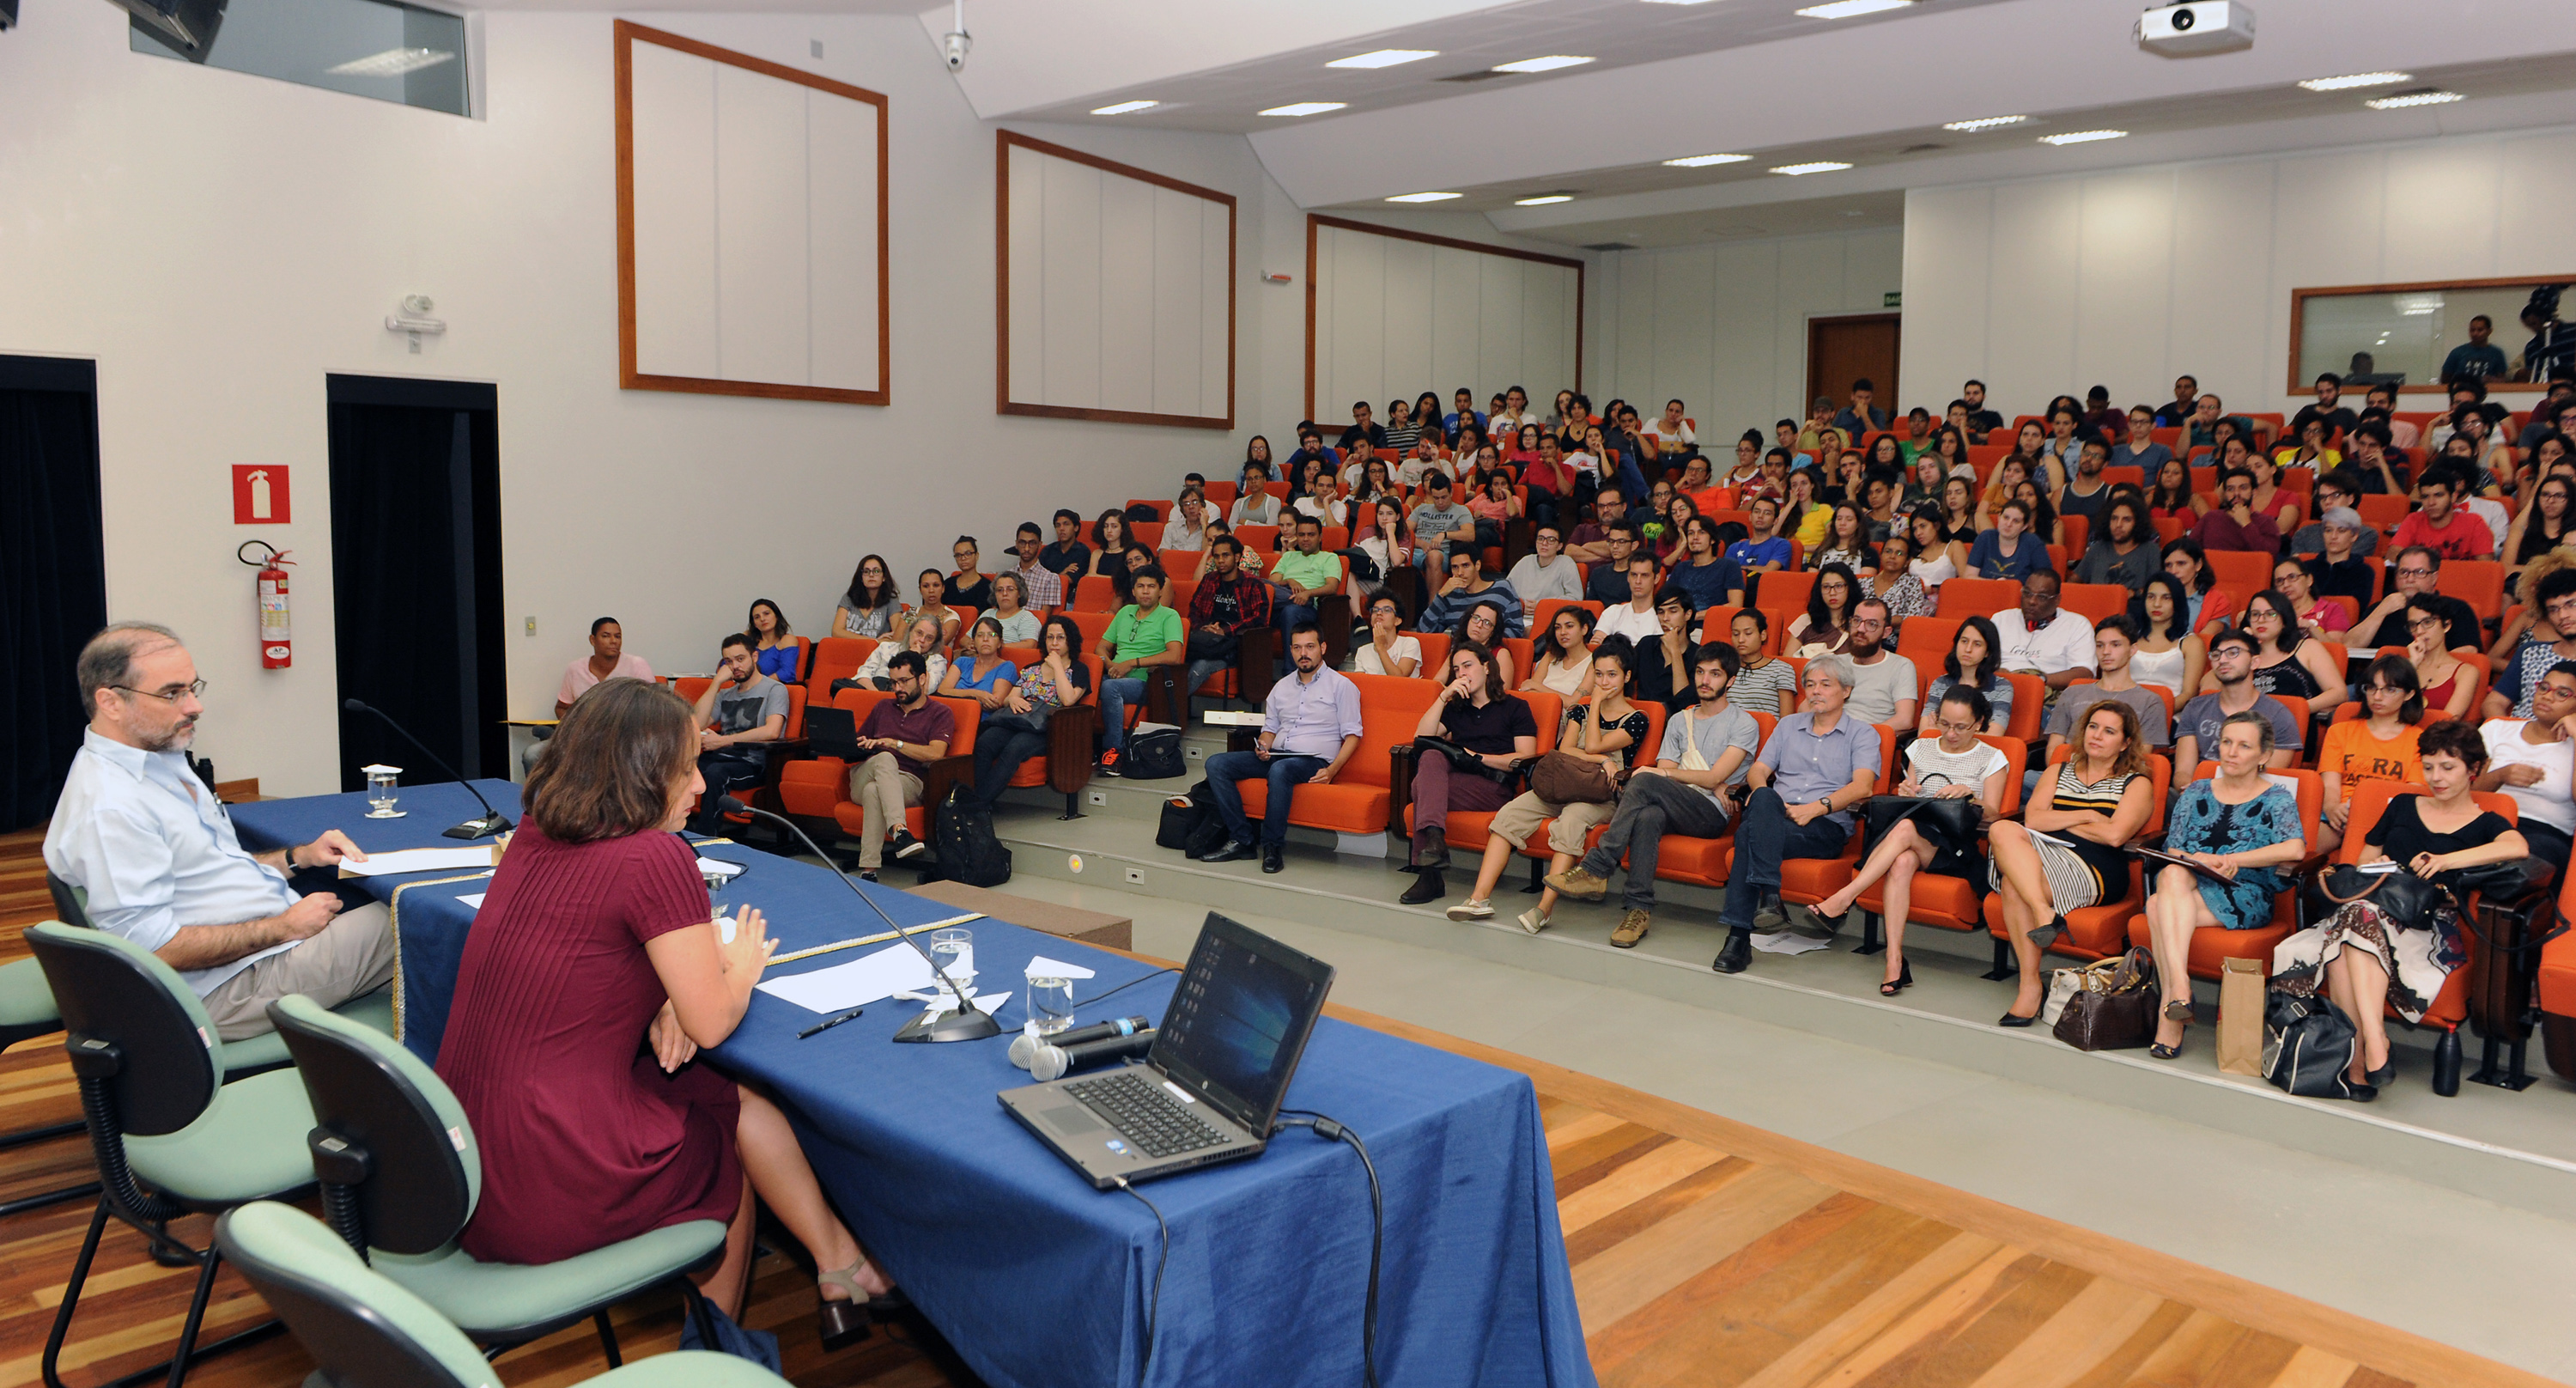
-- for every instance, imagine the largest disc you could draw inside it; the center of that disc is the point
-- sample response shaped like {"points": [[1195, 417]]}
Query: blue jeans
{"points": [[1115, 695], [1286, 772], [1766, 836]]}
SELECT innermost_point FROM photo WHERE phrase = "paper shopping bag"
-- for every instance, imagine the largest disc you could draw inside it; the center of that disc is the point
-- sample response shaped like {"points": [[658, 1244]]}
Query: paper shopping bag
{"points": [[2240, 1016]]}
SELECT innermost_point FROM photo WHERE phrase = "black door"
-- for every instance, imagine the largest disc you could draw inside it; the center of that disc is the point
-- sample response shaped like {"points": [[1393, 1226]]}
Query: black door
{"points": [[416, 574], [53, 575]]}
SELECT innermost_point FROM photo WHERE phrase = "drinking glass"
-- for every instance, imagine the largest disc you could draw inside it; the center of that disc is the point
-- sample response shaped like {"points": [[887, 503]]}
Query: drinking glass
{"points": [[954, 948], [381, 786], [1050, 1004]]}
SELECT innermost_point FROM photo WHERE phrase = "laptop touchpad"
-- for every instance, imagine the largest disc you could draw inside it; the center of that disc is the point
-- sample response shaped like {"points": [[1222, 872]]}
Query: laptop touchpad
{"points": [[1070, 1118]]}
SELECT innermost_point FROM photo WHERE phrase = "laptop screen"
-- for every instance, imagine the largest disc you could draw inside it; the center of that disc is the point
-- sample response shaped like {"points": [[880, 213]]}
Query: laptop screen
{"points": [[1239, 1020]]}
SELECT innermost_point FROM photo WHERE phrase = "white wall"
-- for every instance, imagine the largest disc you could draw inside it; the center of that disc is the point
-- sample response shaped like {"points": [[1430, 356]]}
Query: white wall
{"points": [[2130, 277], [1394, 317], [1724, 326], [220, 242]]}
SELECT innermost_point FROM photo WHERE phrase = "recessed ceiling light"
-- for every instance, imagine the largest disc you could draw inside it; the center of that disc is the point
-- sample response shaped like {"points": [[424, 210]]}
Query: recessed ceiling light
{"points": [[1845, 9], [1985, 122], [2083, 137], [1305, 108], [1386, 57], [1819, 166], [1702, 161], [393, 62], [1545, 198], [1123, 108], [1424, 197], [1550, 63], [2406, 99], [2358, 79]]}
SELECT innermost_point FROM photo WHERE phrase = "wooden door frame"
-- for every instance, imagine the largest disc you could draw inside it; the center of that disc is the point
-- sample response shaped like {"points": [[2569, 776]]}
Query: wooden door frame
{"points": [[1886, 391]]}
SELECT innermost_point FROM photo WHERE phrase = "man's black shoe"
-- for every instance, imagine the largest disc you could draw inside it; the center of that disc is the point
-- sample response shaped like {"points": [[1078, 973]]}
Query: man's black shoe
{"points": [[1274, 857], [1427, 886], [1737, 953], [904, 846], [1229, 852]]}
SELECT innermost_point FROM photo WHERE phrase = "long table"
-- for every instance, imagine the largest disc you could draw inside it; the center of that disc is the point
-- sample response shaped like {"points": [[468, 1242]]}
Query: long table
{"points": [[1036, 1278]]}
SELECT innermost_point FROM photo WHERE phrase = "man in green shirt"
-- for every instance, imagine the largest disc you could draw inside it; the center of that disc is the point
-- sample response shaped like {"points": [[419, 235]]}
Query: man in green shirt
{"points": [[1304, 576], [1144, 632]]}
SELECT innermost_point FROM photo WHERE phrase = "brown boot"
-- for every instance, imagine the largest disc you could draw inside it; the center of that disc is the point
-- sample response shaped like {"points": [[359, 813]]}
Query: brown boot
{"points": [[1632, 928], [1579, 885], [1430, 849]]}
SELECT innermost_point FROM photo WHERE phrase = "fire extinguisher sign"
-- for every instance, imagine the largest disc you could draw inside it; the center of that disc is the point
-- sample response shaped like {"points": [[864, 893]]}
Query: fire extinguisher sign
{"points": [[260, 495]]}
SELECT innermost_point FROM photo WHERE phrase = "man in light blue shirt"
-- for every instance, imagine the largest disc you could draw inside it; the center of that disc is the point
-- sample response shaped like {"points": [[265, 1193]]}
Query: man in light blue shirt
{"points": [[1819, 765], [154, 850], [1310, 725]]}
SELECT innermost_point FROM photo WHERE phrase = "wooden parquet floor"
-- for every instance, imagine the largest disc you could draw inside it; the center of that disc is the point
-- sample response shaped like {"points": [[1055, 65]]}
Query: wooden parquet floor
{"points": [[1705, 1252]]}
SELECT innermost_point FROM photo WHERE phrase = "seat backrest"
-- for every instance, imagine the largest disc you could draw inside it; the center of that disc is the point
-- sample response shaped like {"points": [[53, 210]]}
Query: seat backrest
{"points": [[1523, 653], [1965, 597], [837, 658], [1932, 636], [2077, 531], [2244, 569], [1146, 533], [1094, 594], [797, 694], [1784, 594], [1391, 707], [2159, 777], [2370, 800], [1547, 710], [114, 992], [2030, 694], [2477, 582], [70, 902], [424, 1171], [1435, 653], [362, 1328], [2016, 760], [2094, 602], [1549, 607]]}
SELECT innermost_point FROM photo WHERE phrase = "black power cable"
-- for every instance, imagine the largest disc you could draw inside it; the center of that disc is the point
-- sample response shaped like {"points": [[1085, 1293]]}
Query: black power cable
{"points": [[1153, 1308], [1332, 1131]]}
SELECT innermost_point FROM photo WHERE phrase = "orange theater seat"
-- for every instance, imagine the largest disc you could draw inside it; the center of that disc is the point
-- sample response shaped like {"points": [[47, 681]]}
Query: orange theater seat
{"points": [[1703, 862], [836, 658], [2094, 602], [1065, 767], [2477, 582], [1359, 800], [816, 791], [2557, 990], [2246, 570], [1162, 509], [1932, 636], [1810, 880], [1962, 598], [2102, 929], [1469, 830], [1549, 607]]}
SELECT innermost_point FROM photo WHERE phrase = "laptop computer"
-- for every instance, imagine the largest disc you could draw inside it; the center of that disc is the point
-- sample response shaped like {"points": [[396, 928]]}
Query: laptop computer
{"points": [[1211, 1086], [832, 732]]}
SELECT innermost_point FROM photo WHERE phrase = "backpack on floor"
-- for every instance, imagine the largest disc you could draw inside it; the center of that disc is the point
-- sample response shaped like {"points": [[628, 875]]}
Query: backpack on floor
{"points": [[2307, 1046], [1190, 822], [969, 852], [1153, 753]]}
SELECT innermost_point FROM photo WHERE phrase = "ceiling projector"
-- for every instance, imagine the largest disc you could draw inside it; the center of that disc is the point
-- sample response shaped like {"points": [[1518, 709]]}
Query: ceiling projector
{"points": [[2192, 29]]}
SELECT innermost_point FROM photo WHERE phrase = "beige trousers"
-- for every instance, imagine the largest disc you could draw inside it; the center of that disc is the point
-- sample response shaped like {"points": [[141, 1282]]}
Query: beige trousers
{"points": [[882, 789], [349, 958]]}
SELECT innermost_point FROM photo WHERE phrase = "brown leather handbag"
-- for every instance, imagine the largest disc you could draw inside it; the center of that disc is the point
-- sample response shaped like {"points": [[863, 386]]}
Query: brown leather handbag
{"points": [[1563, 779], [2115, 1004]]}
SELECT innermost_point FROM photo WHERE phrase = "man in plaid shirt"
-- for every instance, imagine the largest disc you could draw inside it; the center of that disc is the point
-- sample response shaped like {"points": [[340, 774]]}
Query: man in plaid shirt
{"points": [[1038, 586], [1227, 603]]}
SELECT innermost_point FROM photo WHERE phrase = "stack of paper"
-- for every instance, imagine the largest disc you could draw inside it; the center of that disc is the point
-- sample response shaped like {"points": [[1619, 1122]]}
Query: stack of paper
{"points": [[841, 987], [422, 860]]}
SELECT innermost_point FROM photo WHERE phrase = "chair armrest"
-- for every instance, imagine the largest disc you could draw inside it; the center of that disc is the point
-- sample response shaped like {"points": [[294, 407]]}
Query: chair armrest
{"points": [[1399, 782], [1256, 655], [1071, 736], [948, 771]]}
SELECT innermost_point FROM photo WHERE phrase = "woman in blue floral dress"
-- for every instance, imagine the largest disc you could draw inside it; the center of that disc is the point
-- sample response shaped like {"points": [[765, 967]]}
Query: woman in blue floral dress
{"points": [[2239, 825]]}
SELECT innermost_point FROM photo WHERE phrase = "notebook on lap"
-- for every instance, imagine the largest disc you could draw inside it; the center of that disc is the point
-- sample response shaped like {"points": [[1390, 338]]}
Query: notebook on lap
{"points": [[1212, 1085]]}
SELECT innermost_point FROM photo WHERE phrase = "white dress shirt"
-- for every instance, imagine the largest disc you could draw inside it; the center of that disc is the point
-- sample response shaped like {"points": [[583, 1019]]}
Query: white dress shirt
{"points": [[155, 851], [2066, 643]]}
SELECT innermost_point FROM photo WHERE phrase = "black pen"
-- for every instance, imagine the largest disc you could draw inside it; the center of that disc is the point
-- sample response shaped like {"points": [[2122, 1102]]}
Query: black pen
{"points": [[829, 1022]]}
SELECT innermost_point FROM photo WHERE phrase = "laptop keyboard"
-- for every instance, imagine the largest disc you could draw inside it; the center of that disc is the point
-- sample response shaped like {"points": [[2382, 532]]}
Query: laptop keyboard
{"points": [[1144, 1113]]}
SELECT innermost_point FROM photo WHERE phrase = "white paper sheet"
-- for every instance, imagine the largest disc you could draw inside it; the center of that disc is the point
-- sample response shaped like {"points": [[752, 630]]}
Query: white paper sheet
{"points": [[986, 1003], [473, 901], [1787, 942], [1043, 967], [717, 867], [841, 987], [419, 860]]}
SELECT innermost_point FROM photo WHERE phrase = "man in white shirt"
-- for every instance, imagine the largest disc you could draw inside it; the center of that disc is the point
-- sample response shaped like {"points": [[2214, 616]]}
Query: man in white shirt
{"points": [[158, 856], [1635, 618], [2534, 761], [1424, 463], [2037, 638], [1547, 573], [1886, 692]]}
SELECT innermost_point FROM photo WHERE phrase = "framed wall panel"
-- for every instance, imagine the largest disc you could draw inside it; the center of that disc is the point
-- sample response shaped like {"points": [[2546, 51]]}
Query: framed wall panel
{"points": [[751, 226], [1384, 307], [1115, 298]]}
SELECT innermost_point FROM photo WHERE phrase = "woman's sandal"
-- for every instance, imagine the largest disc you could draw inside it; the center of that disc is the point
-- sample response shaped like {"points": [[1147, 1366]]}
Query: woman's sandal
{"points": [[1904, 979], [842, 1322], [2046, 935], [2175, 1011]]}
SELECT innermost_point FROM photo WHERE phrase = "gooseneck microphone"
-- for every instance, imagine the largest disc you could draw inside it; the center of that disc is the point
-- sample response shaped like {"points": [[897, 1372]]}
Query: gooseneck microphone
{"points": [[491, 822], [965, 1022]]}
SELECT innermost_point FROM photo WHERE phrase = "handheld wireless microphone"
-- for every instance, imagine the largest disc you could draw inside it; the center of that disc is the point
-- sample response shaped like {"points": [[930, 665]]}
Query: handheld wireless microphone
{"points": [[1024, 1047], [1052, 1062]]}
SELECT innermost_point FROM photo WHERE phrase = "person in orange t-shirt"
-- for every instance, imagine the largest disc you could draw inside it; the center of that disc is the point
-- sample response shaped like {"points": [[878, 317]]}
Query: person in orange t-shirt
{"points": [[2379, 747]]}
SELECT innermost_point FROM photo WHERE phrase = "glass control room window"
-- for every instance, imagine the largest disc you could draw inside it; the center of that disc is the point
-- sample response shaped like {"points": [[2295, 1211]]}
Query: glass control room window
{"points": [[369, 48]]}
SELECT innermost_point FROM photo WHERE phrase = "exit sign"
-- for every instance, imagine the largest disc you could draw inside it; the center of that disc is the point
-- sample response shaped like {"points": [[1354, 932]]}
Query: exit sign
{"points": [[1891, 299]]}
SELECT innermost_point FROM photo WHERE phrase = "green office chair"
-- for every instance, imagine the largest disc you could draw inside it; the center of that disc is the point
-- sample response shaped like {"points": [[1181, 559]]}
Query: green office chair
{"points": [[366, 1331], [169, 1135], [401, 1172]]}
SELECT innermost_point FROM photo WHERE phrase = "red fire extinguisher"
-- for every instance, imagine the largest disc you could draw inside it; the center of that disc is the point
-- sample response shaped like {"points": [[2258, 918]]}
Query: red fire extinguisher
{"points": [[276, 624]]}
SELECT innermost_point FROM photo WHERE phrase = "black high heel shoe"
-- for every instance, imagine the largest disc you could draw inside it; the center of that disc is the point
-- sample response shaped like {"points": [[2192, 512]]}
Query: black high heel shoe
{"points": [[2175, 1011], [2386, 1074], [1904, 980]]}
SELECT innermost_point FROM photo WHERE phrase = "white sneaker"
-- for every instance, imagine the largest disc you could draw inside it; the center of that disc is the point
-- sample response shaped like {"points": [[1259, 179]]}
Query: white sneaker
{"points": [[1532, 922], [1472, 911]]}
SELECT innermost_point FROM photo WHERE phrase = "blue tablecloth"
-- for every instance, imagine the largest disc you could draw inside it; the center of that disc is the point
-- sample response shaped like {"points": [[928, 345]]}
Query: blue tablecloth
{"points": [[1036, 1278]]}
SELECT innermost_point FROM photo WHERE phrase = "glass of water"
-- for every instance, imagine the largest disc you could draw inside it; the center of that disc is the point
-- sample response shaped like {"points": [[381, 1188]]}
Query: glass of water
{"points": [[381, 785], [954, 948], [1050, 1004]]}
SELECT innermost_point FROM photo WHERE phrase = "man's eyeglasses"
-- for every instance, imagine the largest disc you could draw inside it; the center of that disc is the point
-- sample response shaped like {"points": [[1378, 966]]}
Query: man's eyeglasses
{"points": [[167, 696], [2414, 573]]}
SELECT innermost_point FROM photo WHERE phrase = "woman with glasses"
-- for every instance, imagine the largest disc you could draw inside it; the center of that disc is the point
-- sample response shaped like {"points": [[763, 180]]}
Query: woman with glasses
{"points": [[2319, 619], [2379, 746], [2444, 677], [2286, 661]]}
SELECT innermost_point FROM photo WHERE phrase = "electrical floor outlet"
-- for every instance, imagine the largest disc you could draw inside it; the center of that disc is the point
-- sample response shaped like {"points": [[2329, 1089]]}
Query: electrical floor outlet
{"points": [[1136, 875], [1099, 797]]}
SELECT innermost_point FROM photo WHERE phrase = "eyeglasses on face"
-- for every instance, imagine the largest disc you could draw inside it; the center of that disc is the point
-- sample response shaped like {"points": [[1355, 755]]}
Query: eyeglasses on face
{"points": [[171, 695]]}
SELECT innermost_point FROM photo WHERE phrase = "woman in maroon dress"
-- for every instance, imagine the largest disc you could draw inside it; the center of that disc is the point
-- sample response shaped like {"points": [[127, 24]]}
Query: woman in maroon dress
{"points": [[594, 940]]}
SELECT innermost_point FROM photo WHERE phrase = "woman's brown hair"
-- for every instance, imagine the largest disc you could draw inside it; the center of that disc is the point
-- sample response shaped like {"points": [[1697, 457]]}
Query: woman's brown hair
{"points": [[613, 764], [2132, 760]]}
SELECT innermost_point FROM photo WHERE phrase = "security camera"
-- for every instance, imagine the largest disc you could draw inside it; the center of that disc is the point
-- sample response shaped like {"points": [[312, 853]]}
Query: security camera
{"points": [[956, 46]]}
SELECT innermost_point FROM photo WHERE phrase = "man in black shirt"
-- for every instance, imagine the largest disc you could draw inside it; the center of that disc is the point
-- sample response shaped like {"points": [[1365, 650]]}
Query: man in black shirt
{"points": [[1607, 582], [1068, 558], [1310, 444], [2186, 400], [2477, 356], [2340, 571], [2374, 463], [1362, 430], [1981, 420], [2336, 418]]}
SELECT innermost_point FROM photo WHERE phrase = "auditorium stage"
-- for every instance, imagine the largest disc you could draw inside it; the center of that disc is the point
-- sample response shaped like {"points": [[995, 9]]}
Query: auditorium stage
{"points": [[1705, 1251]]}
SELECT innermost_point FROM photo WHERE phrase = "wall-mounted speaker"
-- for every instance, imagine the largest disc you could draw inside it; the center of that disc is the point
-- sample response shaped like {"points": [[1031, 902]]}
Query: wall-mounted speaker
{"points": [[186, 25]]}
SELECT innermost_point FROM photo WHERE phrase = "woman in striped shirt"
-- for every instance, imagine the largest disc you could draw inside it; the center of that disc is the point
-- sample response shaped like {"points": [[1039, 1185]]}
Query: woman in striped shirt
{"points": [[2067, 853]]}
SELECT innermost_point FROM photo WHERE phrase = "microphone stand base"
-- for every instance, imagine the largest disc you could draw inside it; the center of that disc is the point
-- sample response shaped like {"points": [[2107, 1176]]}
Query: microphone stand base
{"points": [[478, 828], [969, 1023]]}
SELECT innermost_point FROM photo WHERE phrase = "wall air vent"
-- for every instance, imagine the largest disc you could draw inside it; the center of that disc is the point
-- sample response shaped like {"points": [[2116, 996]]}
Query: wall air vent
{"points": [[1479, 75], [1609, 246]]}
